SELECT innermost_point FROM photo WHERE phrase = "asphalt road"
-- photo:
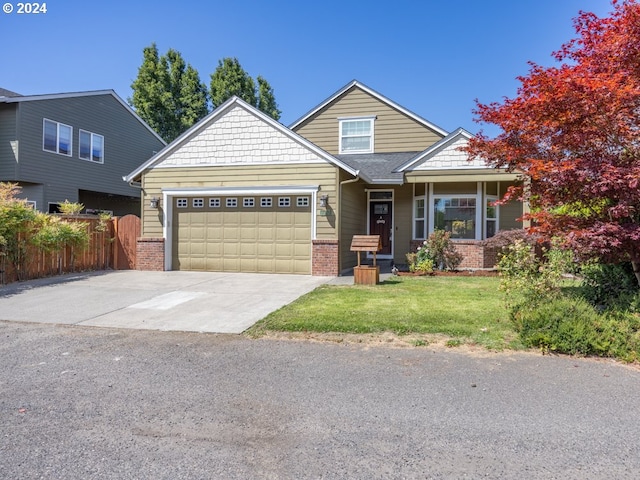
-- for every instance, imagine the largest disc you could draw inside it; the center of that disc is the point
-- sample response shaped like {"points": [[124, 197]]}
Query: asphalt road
{"points": [[93, 403]]}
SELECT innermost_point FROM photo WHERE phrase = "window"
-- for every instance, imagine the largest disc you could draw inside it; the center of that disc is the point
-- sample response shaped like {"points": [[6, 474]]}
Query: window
{"points": [[266, 202], [198, 202], [232, 202], [418, 218], [356, 135], [284, 202], [456, 215], [302, 201], [91, 146], [214, 203], [248, 202], [492, 217], [56, 137], [181, 203]]}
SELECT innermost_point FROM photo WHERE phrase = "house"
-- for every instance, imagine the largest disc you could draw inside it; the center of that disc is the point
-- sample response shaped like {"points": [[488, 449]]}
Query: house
{"points": [[241, 192], [75, 147]]}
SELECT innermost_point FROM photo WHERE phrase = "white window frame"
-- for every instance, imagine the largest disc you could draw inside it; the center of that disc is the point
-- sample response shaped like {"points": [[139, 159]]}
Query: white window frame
{"points": [[284, 202], [231, 202], [496, 208], [197, 202], [478, 209], [266, 202], [92, 137], [302, 201], [57, 149], [214, 202], [344, 121], [420, 235], [248, 202], [182, 203]]}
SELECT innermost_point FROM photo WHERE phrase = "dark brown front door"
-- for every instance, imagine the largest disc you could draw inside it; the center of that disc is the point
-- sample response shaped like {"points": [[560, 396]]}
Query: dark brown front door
{"points": [[380, 222]]}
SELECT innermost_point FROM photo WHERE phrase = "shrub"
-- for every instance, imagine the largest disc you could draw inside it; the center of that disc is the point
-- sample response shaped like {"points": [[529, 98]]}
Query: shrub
{"points": [[609, 285], [442, 251], [571, 325]]}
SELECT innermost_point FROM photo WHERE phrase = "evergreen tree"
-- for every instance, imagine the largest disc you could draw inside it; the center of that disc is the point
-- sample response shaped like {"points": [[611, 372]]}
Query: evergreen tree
{"points": [[168, 93], [231, 79]]}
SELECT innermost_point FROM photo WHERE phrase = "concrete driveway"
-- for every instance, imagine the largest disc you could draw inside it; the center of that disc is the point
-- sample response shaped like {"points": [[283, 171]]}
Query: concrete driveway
{"points": [[178, 301]]}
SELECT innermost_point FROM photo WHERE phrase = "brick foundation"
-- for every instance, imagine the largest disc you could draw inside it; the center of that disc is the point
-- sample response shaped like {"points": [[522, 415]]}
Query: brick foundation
{"points": [[474, 254], [325, 258], [150, 254]]}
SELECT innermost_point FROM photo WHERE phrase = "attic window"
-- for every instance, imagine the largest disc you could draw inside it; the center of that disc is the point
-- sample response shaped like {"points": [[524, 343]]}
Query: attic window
{"points": [[356, 135]]}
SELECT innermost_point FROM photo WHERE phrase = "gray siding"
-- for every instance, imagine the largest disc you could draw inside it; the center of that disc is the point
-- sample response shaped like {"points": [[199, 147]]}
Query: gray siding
{"points": [[8, 137], [127, 144]]}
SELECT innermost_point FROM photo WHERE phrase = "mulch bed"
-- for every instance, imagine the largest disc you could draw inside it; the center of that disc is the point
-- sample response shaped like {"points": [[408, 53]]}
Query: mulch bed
{"points": [[452, 273]]}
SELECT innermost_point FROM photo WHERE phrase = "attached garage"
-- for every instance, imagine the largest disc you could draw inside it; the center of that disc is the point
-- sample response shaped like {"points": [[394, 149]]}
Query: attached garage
{"points": [[242, 233], [240, 192]]}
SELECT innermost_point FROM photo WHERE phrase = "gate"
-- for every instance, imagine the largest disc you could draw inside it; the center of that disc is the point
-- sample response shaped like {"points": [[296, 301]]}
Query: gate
{"points": [[127, 231]]}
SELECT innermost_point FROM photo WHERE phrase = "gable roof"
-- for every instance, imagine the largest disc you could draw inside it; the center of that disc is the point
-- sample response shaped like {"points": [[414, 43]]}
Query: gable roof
{"points": [[434, 150], [8, 93], [218, 113], [373, 93], [58, 96]]}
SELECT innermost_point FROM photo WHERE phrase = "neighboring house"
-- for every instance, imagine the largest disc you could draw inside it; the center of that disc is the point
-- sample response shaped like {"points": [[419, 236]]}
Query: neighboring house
{"points": [[75, 147], [241, 192]]}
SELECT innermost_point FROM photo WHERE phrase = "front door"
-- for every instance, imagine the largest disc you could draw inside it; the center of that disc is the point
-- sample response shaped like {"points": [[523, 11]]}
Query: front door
{"points": [[380, 223]]}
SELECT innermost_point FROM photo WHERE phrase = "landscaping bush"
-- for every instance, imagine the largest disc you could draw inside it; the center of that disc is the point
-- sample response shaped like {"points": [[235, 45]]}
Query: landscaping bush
{"points": [[612, 286], [436, 252], [572, 325]]}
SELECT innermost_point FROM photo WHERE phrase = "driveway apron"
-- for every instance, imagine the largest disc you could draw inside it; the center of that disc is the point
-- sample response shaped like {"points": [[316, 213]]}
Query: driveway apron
{"points": [[178, 301]]}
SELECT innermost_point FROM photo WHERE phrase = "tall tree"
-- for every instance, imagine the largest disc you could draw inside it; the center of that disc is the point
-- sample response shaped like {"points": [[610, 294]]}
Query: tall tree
{"points": [[266, 99], [231, 79], [574, 131], [168, 93]]}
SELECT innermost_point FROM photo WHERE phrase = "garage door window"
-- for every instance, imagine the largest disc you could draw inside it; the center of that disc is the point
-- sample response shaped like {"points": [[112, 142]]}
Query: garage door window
{"points": [[198, 202], [214, 203], [248, 202], [232, 202], [265, 202], [284, 202], [302, 201], [181, 203]]}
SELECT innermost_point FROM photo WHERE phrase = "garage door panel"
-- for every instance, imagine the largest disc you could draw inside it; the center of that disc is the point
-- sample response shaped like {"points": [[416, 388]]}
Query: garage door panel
{"points": [[242, 238]]}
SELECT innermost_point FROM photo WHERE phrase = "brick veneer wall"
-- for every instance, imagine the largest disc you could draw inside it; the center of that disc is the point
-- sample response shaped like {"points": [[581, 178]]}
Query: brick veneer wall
{"points": [[324, 258], [474, 254], [150, 254]]}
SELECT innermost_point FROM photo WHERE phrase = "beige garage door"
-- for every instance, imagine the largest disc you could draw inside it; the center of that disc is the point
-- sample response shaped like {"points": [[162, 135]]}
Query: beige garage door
{"points": [[264, 234]]}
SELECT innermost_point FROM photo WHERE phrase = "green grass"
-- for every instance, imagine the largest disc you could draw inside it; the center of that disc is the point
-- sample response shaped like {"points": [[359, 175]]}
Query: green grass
{"points": [[465, 309]]}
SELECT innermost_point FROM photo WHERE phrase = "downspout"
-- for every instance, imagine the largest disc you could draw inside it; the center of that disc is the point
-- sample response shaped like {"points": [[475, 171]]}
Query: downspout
{"points": [[344, 182]]}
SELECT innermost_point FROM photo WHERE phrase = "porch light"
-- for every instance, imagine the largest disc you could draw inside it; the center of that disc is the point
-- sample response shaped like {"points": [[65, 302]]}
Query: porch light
{"points": [[154, 202], [324, 201]]}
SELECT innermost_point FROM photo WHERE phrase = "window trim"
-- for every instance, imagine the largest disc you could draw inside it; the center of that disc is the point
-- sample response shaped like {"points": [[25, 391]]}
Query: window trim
{"points": [[419, 235], [341, 121], [57, 150], [91, 142], [432, 212]]}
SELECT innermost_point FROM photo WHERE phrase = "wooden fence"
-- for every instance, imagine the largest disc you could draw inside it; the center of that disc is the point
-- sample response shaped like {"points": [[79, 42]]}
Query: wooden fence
{"points": [[104, 251]]}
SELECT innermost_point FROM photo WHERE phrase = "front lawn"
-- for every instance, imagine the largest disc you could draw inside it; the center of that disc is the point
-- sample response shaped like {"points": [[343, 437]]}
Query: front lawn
{"points": [[465, 309]]}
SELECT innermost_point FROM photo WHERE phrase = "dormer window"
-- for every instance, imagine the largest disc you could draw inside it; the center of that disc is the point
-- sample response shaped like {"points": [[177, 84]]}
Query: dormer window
{"points": [[356, 135]]}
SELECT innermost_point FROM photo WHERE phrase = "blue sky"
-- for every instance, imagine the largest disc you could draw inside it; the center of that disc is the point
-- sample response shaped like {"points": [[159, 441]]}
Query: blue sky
{"points": [[433, 57]]}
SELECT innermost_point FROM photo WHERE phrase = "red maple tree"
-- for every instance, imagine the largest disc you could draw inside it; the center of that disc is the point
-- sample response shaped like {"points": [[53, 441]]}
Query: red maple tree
{"points": [[573, 131]]}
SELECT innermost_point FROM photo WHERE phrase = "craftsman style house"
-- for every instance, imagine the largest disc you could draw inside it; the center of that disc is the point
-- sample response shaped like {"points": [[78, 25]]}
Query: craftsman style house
{"points": [[75, 147], [241, 192]]}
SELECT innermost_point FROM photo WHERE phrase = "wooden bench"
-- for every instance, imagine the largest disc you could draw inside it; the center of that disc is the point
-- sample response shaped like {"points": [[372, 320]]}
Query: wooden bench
{"points": [[366, 274]]}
